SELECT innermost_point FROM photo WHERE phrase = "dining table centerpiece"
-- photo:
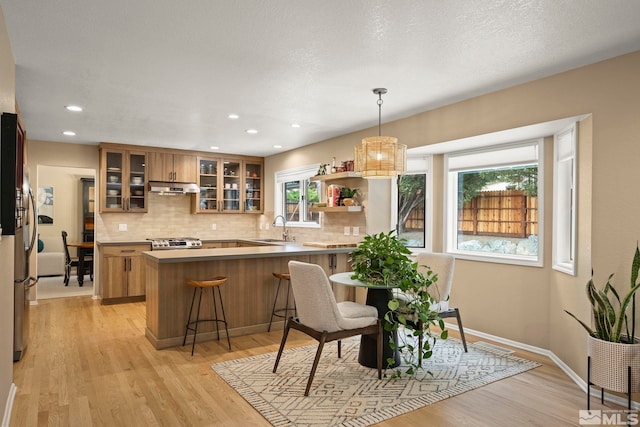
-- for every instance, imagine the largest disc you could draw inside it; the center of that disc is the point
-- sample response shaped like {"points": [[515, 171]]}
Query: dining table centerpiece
{"points": [[384, 260]]}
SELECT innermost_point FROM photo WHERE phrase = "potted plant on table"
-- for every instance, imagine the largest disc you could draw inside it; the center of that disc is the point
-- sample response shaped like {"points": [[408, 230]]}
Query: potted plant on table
{"points": [[613, 347], [382, 259]]}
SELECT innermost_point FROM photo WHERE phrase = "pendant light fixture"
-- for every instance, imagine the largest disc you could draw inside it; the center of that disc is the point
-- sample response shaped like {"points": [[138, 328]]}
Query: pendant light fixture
{"points": [[380, 156]]}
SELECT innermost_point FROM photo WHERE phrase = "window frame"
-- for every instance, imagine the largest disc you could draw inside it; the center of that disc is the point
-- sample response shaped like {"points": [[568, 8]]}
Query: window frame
{"points": [[303, 175], [565, 187], [450, 205], [417, 165]]}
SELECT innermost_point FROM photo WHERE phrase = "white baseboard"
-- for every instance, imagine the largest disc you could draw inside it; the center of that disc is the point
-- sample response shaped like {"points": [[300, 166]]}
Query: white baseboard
{"points": [[555, 359], [9, 406]]}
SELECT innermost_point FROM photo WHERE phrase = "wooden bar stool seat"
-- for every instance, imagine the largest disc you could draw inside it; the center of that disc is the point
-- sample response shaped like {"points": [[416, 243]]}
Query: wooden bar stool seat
{"points": [[192, 325], [277, 312]]}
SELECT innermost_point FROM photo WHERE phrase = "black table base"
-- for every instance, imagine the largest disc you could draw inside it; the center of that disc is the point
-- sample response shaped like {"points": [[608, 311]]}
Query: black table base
{"points": [[379, 299]]}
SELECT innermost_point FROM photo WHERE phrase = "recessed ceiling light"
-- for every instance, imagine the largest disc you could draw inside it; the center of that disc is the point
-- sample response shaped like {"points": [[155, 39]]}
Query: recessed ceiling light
{"points": [[69, 133], [277, 146], [251, 131], [213, 147], [233, 116], [75, 108], [295, 125]]}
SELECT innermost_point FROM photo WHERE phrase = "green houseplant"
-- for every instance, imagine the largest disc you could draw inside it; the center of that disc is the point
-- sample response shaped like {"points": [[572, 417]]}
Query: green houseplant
{"points": [[609, 316], [382, 259], [347, 194], [613, 346]]}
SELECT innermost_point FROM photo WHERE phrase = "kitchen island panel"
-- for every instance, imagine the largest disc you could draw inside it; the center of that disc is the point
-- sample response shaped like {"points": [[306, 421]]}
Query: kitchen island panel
{"points": [[248, 294]]}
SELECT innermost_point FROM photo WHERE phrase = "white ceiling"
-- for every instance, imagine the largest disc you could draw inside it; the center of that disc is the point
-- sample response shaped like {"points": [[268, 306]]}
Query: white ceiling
{"points": [[167, 73]]}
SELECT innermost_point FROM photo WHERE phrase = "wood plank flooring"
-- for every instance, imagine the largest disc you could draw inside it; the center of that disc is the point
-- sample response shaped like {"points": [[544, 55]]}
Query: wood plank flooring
{"points": [[89, 364]]}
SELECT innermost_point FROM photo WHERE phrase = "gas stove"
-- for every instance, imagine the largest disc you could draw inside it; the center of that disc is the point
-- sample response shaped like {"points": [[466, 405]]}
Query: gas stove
{"points": [[175, 243]]}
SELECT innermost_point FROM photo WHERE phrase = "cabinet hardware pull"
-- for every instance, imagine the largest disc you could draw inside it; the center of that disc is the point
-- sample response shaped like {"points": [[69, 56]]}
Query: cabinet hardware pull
{"points": [[127, 250]]}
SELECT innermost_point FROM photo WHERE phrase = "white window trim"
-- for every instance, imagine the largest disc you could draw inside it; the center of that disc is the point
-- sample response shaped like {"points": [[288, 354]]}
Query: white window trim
{"points": [[564, 222], [287, 175], [417, 165], [450, 212]]}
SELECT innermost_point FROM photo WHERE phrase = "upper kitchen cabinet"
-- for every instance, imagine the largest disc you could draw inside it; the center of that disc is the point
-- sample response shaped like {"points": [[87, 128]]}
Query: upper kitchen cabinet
{"points": [[253, 187], [229, 185], [172, 167], [123, 180]]}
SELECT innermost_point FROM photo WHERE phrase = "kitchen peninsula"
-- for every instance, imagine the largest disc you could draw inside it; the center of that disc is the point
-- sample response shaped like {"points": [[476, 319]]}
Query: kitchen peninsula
{"points": [[248, 294]]}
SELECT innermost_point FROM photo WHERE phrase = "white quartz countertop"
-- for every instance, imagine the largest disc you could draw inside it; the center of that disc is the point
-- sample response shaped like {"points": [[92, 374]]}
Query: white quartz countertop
{"points": [[197, 255]]}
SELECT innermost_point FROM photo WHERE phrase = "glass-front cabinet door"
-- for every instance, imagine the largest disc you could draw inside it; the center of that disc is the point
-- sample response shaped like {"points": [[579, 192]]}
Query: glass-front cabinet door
{"points": [[137, 182], [232, 181], [253, 187], [124, 181], [207, 199], [113, 198]]}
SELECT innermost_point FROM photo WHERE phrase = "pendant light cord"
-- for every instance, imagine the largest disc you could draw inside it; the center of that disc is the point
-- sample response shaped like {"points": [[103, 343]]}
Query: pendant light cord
{"points": [[380, 113]]}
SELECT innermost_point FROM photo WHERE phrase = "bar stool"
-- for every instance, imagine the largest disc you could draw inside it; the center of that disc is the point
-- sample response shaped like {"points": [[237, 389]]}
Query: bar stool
{"points": [[212, 284], [276, 311]]}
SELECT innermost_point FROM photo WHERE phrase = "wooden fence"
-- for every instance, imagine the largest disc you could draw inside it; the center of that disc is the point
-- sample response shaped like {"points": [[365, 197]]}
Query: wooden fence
{"points": [[500, 213]]}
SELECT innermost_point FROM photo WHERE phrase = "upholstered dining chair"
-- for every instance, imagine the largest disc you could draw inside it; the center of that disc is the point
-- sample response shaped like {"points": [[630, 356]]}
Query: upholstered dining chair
{"points": [[322, 318], [442, 265]]}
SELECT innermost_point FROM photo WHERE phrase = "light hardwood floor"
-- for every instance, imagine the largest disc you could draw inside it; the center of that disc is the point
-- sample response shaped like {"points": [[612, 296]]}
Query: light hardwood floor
{"points": [[90, 365]]}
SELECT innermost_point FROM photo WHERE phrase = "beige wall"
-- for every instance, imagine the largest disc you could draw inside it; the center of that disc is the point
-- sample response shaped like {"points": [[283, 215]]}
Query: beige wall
{"points": [[526, 303], [7, 103], [67, 199]]}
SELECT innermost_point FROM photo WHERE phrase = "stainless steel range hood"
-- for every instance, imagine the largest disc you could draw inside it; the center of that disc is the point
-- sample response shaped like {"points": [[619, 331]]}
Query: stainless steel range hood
{"points": [[172, 188]]}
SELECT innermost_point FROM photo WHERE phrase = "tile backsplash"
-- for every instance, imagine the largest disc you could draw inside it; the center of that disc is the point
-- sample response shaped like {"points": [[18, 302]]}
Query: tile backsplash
{"points": [[170, 216]]}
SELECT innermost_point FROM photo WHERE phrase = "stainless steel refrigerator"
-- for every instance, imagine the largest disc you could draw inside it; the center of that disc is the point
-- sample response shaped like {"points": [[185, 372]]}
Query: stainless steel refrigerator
{"points": [[17, 218]]}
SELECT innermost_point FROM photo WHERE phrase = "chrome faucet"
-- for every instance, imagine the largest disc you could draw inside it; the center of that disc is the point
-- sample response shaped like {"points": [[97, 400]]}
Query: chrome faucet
{"points": [[285, 233]]}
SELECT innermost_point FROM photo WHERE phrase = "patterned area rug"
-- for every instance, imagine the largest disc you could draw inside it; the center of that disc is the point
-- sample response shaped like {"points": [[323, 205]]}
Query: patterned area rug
{"points": [[344, 393]]}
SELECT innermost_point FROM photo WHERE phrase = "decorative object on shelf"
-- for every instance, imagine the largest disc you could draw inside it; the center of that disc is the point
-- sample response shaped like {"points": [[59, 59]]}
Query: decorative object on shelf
{"points": [[614, 350], [333, 195], [347, 194], [333, 165], [382, 259], [322, 170], [380, 156]]}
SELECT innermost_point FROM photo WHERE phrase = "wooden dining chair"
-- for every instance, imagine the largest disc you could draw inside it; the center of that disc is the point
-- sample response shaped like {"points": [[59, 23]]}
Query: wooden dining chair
{"points": [[73, 262], [325, 320]]}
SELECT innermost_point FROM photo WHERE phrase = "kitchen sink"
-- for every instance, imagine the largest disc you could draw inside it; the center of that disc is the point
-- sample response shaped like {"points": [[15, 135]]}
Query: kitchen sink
{"points": [[269, 240]]}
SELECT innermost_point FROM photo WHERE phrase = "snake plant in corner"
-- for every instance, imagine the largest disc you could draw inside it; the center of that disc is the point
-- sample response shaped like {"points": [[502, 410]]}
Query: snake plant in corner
{"points": [[609, 322], [382, 259], [613, 346]]}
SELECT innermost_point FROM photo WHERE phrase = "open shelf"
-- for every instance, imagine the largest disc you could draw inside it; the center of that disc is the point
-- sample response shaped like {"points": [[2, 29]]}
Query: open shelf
{"points": [[336, 208], [338, 175]]}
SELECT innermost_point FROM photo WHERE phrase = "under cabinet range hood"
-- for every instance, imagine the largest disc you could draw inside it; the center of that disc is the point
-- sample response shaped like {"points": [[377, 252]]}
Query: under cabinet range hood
{"points": [[172, 188]]}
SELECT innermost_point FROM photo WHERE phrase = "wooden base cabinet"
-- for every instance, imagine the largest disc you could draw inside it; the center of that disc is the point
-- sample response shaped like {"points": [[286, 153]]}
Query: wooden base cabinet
{"points": [[123, 273], [248, 294]]}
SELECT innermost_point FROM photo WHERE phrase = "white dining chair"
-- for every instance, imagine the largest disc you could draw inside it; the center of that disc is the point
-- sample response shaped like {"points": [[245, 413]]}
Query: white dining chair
{"points": [[442, 265], [322, 318]]}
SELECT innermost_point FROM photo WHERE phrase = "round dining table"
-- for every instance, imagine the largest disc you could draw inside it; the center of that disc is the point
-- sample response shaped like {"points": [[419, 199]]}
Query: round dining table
{"points": [[378, 296], [83, 249]]}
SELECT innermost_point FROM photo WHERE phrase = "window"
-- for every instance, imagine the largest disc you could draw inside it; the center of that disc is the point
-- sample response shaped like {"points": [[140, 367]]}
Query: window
{"points": [[294, 194], [494, 203], [564, 200], [412, 210]]}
